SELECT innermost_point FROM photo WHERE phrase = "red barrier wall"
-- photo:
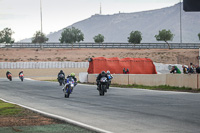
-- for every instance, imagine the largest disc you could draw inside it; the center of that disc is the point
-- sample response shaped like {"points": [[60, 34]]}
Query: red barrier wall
{"points": [[116, 65]]}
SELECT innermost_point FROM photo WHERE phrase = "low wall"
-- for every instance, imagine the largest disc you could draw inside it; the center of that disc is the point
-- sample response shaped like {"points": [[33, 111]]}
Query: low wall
{"points": [[182, 80], [148, 79], [198, 81], [120, 79], [92, 78], [178, 80]]}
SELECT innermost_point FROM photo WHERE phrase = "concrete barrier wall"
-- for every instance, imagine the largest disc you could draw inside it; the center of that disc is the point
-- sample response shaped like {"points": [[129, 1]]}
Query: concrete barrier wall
{"points": [[42, 65], [178, 80], [92, 78], [182, 80], [120, 79], [148, 79]]}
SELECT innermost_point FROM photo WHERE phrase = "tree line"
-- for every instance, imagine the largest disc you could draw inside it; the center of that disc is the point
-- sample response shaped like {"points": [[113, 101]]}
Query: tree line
{"points": [[73, 35]]}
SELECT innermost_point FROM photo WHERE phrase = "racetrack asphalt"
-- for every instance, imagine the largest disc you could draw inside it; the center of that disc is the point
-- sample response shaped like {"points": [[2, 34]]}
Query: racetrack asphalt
{"points": [[120, 110]]}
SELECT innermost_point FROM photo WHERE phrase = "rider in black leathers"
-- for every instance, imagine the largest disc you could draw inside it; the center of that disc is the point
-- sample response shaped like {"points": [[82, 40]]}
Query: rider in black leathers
{"points": [[102, 74], [61, 72]]}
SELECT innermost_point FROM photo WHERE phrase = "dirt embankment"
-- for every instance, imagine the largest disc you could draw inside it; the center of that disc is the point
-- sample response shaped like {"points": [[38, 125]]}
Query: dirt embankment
{"points": [[166, 56]]}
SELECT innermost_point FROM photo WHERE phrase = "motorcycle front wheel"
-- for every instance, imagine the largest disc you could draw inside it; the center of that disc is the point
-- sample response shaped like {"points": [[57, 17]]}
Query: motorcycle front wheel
{"points": [[67, 93], [101, 91]]}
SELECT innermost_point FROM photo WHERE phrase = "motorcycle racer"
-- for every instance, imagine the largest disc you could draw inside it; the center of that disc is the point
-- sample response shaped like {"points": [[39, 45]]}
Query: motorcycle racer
{"points": [[102, 74], [7, 73]]}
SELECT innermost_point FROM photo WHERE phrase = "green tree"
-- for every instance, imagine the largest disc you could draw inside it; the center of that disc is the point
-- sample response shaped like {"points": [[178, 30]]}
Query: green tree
{"points": [[6, 36], [199, 36], [99, 38], [71, 35], [165, 35], [135, 37], [39, 37]]}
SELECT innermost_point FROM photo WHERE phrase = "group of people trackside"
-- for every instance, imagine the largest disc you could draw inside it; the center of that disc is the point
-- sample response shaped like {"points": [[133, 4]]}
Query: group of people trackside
{"points": [[190, 69], [125, 71]]}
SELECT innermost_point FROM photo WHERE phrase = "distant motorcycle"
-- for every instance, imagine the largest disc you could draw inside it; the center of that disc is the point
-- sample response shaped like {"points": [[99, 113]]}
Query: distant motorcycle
{"points": [[68, 88], [21, 76], [9, 77], [103, 86], [61, 79]]}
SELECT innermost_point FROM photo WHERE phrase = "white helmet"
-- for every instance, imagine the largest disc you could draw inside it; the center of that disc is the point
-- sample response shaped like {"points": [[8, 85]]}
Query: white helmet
{"points": [[108, 72]]}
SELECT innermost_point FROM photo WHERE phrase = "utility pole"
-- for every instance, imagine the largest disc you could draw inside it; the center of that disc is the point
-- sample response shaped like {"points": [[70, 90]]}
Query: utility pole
{"points": [[100, 9], [180, 22], [41, 13]]}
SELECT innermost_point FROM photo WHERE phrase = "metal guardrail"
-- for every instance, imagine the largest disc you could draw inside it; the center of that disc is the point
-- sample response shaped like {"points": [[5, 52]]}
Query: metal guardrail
{"points": [[105, 45]]}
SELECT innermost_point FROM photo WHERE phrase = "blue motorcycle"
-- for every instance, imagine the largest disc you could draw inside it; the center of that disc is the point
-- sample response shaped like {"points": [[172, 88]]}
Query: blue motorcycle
{"points": [[69, 85]]}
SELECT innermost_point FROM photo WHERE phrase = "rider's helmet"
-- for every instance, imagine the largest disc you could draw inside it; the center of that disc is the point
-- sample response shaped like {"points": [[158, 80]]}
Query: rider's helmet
{"points": [[7, 71], [72, 74], [103, 72], [108, 72], [21, 71], [61, 71]]}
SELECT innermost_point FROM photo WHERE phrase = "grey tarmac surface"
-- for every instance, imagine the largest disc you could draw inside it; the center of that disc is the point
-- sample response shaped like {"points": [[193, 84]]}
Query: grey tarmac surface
{"points": [[121, 110]]}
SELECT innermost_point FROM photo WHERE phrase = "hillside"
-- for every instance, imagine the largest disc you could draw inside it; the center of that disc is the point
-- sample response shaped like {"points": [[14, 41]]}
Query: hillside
{"points": [[116, 28], [166, 56]]}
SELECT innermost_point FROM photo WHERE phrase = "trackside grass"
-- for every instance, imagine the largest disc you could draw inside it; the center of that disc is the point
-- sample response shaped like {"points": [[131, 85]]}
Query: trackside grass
{"points": [[161, 87], [14, 119], [7, 109]]}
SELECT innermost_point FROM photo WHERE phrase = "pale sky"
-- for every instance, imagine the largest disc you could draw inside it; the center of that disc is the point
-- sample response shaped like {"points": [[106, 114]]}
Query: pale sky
{"points": [[23, 16]]}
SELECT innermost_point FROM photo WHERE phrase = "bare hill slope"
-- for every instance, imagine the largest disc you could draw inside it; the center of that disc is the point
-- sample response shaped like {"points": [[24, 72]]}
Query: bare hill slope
{"points": [[117, 27]]}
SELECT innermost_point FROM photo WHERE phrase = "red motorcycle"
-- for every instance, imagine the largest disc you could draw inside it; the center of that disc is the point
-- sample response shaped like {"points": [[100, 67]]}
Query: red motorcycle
{"points": [[21, 76], [9, 77]]}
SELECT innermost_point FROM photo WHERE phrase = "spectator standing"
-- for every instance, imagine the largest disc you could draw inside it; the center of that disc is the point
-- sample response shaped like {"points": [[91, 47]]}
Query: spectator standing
{"points": [[184, 69], [124, 71], [127, 71], [197, 69], [190, 70]]}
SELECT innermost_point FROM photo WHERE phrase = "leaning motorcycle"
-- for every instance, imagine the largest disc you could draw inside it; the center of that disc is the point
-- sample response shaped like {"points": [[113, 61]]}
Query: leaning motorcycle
{"points": [[103, 86], [21, 76], [68, 88], [10, 77], [61, 79]]}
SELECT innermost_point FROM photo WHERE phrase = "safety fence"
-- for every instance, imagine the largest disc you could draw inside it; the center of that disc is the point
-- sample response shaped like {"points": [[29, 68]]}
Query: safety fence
{"points": [[42, 65], [105, 45]]}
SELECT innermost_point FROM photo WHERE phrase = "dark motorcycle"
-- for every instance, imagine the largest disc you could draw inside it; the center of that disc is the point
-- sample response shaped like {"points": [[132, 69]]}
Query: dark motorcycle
{"points": [[103, 86], [68, 87], [9, 77], [61, 79]]}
